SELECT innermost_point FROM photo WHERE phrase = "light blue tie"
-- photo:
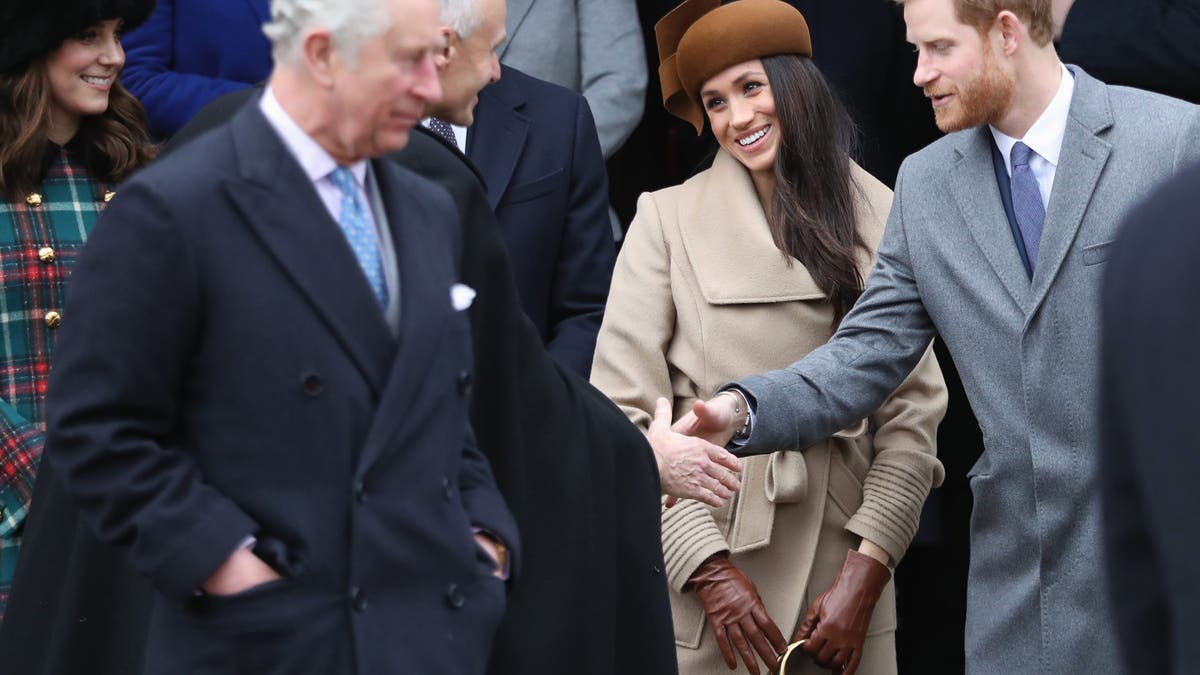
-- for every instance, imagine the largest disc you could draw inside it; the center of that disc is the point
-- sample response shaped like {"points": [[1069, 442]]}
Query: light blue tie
{"points": [[360, 232], [1027, 201]]}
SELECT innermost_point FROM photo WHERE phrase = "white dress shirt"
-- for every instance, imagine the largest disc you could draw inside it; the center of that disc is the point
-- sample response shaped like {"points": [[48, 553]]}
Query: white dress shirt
{"points": [[1045, 137], [318, 165]]}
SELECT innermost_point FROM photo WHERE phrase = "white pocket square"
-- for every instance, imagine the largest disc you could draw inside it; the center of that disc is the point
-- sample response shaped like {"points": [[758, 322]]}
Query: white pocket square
{"points": [[461, 296]]}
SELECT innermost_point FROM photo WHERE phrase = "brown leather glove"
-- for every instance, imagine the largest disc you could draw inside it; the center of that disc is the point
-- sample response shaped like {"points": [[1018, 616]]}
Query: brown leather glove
{"points": [[836, 622], [736, 614]]}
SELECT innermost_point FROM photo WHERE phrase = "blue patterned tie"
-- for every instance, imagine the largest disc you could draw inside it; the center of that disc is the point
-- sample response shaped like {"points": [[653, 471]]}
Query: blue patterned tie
{"points": [[359, 231], [1027, 201]]}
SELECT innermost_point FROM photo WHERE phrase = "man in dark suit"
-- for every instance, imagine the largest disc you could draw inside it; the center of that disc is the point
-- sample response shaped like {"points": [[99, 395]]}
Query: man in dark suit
{"points": [[262, 391], [1149, 44], [526, 414], [1149, 464], [535, 145]]}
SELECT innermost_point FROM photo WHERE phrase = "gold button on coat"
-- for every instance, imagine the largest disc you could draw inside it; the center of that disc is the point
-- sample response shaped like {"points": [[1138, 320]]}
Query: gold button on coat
{"points": [[46, 254], [108, 195], [34, 199], [53, 319]]}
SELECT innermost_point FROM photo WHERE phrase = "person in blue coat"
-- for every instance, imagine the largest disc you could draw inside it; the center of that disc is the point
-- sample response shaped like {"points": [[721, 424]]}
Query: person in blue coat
{"points": [[189, 52]]}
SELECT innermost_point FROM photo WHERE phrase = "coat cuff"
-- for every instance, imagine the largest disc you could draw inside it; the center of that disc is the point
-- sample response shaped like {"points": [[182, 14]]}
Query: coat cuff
{"points": [[893, 495], [690, 536]]}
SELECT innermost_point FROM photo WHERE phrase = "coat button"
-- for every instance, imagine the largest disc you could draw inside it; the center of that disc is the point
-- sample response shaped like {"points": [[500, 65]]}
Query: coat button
{"points": [[34, 199], [360, 492], [447, 488], [53, 319], [313, 385], [464, 383], [46, 254], [455, 597], [657, 569], [358, 599]]}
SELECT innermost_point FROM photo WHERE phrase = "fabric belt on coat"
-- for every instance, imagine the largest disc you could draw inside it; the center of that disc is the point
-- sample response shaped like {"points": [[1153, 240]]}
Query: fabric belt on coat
{"points": [[784, 480]]}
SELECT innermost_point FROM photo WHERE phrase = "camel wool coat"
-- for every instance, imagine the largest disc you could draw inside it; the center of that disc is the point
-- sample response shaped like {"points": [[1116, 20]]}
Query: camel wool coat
{"points": [[701, 296]]}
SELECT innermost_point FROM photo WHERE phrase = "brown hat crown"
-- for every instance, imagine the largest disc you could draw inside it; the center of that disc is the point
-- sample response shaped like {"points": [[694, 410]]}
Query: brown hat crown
{"points": [[700, 38]]}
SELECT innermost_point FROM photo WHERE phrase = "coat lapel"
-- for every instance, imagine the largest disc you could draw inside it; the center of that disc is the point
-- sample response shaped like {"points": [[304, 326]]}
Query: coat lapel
{"points": [[424, 306], [972, 182], [278, 202], [723, 227], [498, 135], [1081, 161], [517, 11]]}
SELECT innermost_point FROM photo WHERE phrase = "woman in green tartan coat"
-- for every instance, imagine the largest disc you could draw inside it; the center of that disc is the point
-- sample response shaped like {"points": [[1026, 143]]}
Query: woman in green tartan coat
{"points": [[68, 134]]}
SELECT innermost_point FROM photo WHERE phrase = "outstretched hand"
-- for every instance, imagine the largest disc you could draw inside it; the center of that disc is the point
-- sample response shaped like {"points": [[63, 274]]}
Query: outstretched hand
{"points": [[690, 467], [713, 420]]}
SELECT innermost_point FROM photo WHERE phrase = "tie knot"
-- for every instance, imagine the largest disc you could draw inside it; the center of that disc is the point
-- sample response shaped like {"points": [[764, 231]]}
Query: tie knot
{"points": [[1021, 154], [344, 180]]}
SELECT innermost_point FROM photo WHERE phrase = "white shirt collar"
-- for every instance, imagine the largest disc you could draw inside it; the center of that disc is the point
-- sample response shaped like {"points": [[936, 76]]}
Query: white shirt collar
{"points": [[316, 162], [1045, 137]]}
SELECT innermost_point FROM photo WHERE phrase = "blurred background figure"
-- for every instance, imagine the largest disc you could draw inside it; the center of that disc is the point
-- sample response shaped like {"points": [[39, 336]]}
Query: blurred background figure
{"points": [[747, 266], [593, 47], [1150, 455], [1149, 44], [69, 133], [192, 51], [535, 146]]}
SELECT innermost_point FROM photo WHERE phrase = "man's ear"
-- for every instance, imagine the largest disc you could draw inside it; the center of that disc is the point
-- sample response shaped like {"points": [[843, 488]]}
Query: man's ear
{"points": [[1010, 31], [443, 56], [320, 56]]}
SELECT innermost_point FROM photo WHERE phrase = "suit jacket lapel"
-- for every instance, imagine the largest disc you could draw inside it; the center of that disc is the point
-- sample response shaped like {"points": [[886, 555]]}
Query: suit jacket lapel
{"points": [[1080, 163], [424, 307], [972, 182], [277, 201], [497, 137], [517, 11]]}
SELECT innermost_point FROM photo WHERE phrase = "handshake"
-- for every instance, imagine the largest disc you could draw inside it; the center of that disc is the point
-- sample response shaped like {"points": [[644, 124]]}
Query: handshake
{"points": [[691, 456], [693, 464]]}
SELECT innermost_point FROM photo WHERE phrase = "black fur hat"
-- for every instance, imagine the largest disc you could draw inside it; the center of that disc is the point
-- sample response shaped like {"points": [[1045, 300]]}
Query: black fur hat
{"points": [[30, 29]]}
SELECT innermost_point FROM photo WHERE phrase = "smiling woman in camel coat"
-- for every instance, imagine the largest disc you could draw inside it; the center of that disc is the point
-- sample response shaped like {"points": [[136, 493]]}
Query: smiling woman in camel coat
{"points": [[701, 296]]}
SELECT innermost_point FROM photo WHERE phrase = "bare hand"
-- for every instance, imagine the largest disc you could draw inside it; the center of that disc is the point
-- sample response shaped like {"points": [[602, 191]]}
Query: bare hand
{"points": [[240, 572], [489, 547], [713, 420], [690, 468]]}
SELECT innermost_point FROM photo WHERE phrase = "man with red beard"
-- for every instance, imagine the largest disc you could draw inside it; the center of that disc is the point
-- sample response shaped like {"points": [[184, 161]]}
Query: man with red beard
{"points": [[997, 241]]}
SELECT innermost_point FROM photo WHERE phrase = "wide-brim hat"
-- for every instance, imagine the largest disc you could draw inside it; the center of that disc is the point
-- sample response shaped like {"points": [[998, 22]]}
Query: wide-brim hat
{"points": [[30, 29], [700, 38]]}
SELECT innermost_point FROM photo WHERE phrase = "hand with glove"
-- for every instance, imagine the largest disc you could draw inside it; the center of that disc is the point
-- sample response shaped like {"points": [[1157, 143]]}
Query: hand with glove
{"points": [[836, 622], [736, 614]]}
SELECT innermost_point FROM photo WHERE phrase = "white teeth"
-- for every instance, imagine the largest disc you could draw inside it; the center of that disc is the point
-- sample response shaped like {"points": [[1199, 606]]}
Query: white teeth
{"points": [[753, 137], [97, 80]]}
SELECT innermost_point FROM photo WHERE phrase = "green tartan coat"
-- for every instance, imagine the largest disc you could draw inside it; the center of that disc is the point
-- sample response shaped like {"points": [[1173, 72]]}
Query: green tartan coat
{"points": [[41, 236]]}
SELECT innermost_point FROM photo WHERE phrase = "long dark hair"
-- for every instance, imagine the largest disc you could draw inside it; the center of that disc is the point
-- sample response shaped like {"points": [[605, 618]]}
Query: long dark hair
{"points": [[812, 211], [113, 144]]}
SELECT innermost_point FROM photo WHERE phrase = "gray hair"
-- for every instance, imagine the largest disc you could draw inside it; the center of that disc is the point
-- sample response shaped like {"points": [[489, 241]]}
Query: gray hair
{"points": [[462, 16], [350, 22]]}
